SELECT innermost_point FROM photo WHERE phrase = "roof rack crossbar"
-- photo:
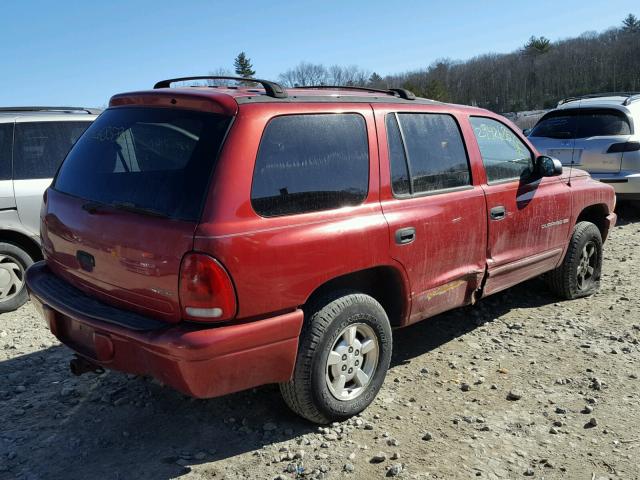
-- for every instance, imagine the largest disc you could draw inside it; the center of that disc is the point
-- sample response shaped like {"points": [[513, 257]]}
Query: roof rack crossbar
{"points": [[396, 92], [629, 97], [272, 89], [92, 111]]}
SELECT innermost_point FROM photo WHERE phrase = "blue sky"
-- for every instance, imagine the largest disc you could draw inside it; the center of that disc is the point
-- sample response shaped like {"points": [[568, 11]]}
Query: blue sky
{"points": [[82, 52]]}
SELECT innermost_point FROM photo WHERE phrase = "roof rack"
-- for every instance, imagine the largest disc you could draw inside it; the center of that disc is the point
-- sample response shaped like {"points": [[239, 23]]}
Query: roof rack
{"points": [[92, 111], [272, 89], [396, 92], [630, 97]]}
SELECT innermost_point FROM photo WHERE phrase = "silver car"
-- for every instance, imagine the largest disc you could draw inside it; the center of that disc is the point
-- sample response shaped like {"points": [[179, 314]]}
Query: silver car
{"points": [[33, 143], [598, 133]]}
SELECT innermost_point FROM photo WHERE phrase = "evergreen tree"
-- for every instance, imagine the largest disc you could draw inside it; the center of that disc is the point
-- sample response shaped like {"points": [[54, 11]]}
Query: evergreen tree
{"points": [[243, 67], [376, 81], [631, 24]]}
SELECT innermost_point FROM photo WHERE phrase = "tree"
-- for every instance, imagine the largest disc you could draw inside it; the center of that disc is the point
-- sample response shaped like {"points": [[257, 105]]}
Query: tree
{"points": [[243, 67], [631, 24], [537, 46], [376, 81]]}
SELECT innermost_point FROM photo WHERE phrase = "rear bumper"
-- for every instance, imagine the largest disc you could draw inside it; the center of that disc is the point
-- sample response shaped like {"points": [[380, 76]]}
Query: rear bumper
{"points": [[626, 184], [201, 362]]}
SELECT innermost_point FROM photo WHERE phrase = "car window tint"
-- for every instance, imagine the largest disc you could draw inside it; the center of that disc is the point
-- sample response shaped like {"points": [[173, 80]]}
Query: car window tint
{"points": [[397, 159], [582, 123], [437, 157], [40, 147], [311, 162], [6, 141], [158, 159], [504, 155]]}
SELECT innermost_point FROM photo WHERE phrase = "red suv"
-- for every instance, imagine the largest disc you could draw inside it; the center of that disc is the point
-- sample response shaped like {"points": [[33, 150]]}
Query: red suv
{"points": [[219, 238]]}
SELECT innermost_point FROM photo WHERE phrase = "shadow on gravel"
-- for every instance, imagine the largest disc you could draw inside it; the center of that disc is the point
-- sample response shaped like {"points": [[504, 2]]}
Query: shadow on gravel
{"points": [[428, 335], [114, 426], [628, 213]]}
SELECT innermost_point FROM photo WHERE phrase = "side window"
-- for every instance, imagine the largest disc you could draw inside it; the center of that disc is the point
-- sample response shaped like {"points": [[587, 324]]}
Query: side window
{"points": [[40, 147], [6, 145], [308, 163], [504, 155], [435, 157], [400, 183]]}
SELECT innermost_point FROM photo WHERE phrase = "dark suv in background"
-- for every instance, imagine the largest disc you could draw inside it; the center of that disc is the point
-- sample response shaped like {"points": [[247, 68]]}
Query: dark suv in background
{"points": [[33, 143]]}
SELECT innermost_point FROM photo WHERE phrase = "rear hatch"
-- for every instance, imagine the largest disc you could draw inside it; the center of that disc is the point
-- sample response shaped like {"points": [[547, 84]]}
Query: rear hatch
{"points": [[590, 138], [123, 209]]}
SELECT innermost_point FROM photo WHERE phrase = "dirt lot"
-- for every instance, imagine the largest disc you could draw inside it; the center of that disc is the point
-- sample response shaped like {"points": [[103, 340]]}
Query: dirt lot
{"points": [[572, 369]]}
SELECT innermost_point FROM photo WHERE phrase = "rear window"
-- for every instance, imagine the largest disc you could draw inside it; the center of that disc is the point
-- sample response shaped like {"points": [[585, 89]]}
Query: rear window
{"points": [[40, 147], [308, 163], [582, 123], [146, 158]]}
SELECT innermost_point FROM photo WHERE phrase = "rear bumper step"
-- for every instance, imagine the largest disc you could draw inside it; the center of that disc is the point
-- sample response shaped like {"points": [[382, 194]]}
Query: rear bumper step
{"points": [[201, 362]]}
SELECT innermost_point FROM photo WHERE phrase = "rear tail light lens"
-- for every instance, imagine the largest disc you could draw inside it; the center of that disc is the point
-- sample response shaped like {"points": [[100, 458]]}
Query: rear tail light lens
{"points": [[624, 147], [206, 290]]}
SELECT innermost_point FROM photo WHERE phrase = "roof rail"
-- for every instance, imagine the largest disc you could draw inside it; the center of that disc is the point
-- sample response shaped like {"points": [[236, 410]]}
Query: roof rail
{"points": [[272, 89], [92, 111], [396, 92], [629, 97]]}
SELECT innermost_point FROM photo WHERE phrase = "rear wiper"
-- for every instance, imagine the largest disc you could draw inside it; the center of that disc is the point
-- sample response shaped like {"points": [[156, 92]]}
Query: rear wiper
{"points": [[132, 207]]}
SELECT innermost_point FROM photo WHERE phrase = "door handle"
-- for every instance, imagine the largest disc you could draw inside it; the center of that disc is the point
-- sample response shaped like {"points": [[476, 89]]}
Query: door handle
{"points": [[498, 213], [405, 235]]}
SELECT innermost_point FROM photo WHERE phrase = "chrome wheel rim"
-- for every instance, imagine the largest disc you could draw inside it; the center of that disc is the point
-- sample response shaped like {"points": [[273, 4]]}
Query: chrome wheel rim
{"points": [[11, 277], [586, 265], [352, 361]]}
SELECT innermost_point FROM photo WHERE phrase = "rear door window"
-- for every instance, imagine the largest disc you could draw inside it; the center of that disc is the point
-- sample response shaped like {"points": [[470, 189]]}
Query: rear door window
{"points": [[154, 159], [582, 123], [40, 147], [426, 153], [308, 163], [6, 145]]}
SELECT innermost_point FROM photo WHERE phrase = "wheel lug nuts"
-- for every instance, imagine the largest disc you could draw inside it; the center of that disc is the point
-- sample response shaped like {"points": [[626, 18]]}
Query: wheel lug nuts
{"points": [[357, 363], [350, 349], [344, 357], [357, 352], [351, 370], [344, 367]]}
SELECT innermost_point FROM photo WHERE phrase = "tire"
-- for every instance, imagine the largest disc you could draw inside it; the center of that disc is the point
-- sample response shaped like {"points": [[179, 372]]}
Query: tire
{"points": [[573, 278], [14, 262], [314, 391]]}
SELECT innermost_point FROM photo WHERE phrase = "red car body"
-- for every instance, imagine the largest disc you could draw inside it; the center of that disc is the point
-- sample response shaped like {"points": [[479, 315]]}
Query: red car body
{"points": [[277, 264]]}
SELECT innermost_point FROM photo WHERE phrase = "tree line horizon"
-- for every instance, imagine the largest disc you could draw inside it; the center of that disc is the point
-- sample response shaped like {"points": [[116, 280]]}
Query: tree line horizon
{"points": [[533, 77]]}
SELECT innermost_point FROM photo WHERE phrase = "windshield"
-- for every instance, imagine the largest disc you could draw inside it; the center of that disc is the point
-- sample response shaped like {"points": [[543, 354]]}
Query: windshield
{"points": [[582, 123], [152, 160]]}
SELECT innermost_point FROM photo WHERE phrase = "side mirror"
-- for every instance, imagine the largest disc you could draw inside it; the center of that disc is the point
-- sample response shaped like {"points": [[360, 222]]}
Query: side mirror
{"points": [[527, 131], [548, 166]]}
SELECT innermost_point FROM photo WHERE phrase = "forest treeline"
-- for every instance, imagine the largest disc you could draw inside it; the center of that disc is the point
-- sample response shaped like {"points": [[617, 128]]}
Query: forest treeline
{"points": [[535, 76]]}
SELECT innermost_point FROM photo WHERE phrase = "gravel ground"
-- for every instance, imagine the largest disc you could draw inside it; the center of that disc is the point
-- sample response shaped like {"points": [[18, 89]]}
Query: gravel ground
{"points": [[519, 386]]}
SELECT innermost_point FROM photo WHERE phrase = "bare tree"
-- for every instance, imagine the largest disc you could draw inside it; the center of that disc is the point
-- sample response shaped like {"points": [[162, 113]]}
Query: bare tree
{"points": [[305, 74]]}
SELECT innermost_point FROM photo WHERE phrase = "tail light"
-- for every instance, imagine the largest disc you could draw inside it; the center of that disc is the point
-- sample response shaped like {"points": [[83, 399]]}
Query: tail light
{"points": [[206, 290], [624, 147]]}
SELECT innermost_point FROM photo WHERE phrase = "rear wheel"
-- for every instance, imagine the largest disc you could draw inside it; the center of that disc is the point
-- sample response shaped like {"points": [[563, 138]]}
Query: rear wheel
{"points": [[579, 273], [13, 264], [343, 357]]}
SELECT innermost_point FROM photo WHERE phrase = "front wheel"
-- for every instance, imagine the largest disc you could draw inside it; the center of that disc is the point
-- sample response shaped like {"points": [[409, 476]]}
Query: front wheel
{"points": [[579, 274], [343, 358]]}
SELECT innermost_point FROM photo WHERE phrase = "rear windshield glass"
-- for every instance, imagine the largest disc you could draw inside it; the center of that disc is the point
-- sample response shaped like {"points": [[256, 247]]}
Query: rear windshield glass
{"points": [[582, 123], [154, 159]]}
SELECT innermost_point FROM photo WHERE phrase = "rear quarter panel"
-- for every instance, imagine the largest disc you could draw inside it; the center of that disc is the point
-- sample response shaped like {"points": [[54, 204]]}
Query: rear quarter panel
{"points": [[276, 263]]}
